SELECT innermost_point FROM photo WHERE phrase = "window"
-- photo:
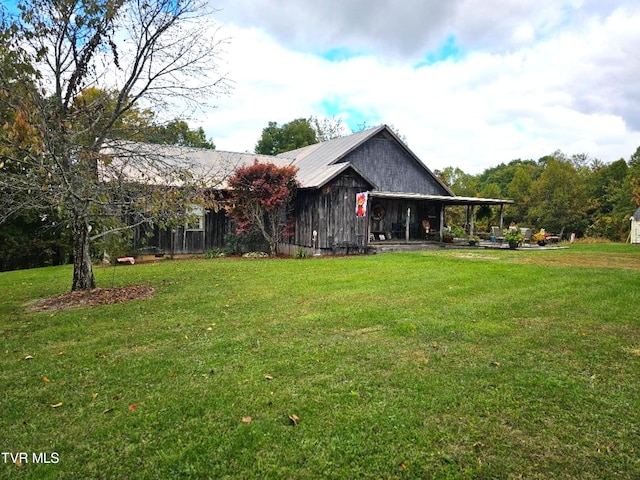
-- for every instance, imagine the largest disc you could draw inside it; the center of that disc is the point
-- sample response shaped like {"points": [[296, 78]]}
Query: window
{"points": [[196, 218]]}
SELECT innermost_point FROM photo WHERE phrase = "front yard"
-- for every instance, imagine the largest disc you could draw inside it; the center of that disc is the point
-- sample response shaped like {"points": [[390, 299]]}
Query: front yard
{"points": [[441, 364]]}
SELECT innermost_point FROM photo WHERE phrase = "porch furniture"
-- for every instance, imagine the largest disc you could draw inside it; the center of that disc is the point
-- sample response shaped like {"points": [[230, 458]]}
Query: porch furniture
{"points": [[555, 238], [414, 229], [526, 236], [398, 230], [496, 233]]}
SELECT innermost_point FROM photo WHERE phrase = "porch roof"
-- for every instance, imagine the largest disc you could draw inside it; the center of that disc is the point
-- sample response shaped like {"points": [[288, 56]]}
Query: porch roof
{"points": [[449, 200]]}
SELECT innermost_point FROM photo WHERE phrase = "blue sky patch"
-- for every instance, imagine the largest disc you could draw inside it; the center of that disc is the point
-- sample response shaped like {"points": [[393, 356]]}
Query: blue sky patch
{"points": [[449, 50], [354, 119], [340, 54]]}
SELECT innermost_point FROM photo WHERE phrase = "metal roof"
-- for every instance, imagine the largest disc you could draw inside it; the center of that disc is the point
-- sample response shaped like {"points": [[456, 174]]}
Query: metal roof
{"points": [[215, 166], [211, 166], [315, 159], [317, 164]]}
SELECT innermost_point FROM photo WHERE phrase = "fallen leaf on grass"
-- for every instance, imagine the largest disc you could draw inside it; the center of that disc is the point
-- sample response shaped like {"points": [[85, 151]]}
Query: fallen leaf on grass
{"points": [[133, 407], [402, 465], [44, 379], [28, 357], [57, 405], [94, 396], [268, 377], [246, 420], [108, 410], [495, 364], [294, 419]]}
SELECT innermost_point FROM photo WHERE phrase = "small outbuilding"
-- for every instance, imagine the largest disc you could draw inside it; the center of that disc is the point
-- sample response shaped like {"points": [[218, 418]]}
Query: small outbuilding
{"points": [[635, 228]]}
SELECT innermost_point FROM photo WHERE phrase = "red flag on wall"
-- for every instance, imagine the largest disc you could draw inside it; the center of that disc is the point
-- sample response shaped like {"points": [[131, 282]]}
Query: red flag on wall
{"points": [[361, 204]]}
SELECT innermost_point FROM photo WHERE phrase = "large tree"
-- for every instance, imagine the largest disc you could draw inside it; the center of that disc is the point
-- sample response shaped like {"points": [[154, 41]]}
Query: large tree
{"points": [[53, 146]]}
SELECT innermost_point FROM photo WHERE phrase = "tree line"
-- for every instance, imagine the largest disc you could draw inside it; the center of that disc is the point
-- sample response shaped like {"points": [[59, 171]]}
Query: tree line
{"points": [[577, 193]]}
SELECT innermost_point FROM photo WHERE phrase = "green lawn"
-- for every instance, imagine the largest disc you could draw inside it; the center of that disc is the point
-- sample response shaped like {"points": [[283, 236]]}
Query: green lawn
{"points": [[443, 364]]}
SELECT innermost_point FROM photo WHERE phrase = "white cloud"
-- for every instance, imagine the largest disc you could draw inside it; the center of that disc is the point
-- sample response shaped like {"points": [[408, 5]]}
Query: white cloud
{"points": [[530, 77]]}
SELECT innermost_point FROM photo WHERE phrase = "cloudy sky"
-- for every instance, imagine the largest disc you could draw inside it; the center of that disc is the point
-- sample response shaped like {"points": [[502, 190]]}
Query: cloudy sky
{"points": [[469, 83]]}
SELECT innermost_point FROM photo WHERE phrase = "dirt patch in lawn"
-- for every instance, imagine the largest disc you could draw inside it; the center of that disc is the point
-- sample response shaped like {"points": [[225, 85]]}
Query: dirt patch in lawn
{"points": [[624, 262], [91, 298]]}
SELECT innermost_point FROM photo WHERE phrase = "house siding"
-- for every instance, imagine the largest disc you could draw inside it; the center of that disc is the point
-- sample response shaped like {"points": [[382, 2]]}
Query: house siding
{"points": [[184, 241], [331, 212], [391, 168]]}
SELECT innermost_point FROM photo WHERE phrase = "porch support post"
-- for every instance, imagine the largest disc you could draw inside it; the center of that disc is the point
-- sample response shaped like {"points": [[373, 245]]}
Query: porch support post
{"points": [[501, 219], [406, 227], [470, 217], [367, 221], [442, 222]]}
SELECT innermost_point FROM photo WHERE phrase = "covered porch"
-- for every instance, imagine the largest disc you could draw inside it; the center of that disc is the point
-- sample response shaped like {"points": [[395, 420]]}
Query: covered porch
{"points": [[408, 217]]}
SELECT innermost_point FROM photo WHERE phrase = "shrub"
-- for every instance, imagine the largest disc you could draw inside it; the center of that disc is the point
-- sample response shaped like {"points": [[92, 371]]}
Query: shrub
{"points": [[214, 253], [250, 241]]}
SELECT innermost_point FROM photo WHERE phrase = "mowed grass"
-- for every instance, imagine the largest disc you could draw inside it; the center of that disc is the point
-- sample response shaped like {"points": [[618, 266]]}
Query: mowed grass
{"points": [[444, 364]]}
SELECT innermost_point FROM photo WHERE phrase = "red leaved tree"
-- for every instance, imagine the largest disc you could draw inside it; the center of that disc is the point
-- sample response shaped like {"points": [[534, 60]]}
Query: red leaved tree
{"points": [[262, 195]]}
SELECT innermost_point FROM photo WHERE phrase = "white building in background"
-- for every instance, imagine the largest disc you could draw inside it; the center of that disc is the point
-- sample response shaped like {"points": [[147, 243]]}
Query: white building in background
{"points": [[635, 227]]}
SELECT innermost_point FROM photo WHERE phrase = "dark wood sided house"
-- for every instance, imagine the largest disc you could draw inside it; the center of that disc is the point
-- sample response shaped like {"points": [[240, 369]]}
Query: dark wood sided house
{"points": [[356, 191]]}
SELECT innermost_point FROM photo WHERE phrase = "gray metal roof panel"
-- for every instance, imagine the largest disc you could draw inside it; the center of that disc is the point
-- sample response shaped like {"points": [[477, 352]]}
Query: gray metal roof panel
{"points": [[453, 200], [215, 166], [314, 157]]}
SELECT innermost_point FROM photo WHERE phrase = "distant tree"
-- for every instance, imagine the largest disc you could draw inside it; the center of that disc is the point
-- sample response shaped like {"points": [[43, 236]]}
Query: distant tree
{"points": [[486, 212], [461, 183], [177, 132], [502, 174], [398, 133], [634, 176], [290, 136], [519, 190], [559, 197], [159, 51], [610, 201], [328, 128], [261, 195]]}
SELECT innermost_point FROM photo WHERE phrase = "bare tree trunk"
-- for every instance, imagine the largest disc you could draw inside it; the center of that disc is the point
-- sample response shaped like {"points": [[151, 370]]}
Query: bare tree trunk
{"points": [[83, 278]]}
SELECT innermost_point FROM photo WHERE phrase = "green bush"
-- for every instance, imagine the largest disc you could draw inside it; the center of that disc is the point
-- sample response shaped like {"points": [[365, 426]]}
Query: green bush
{"points": [[237, 243]]}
